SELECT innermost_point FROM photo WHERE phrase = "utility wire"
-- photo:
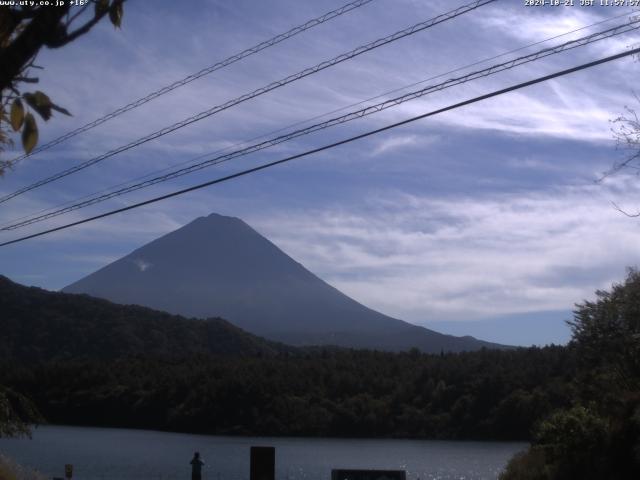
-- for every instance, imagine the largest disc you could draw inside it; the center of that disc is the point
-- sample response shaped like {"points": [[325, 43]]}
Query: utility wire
{"points": [[272, 86], [494, 69], [316, 117], [205, 71], [333, 145]]}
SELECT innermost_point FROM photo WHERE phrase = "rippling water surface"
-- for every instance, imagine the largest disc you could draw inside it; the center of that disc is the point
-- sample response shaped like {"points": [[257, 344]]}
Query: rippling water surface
{"points": [[103, 453]]}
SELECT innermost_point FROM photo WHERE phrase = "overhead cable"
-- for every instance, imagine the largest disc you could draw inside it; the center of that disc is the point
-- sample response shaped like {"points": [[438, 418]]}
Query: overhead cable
{"points": [[332, 145], [190, 78], [492, 70], [315, 117], [272, 86]]}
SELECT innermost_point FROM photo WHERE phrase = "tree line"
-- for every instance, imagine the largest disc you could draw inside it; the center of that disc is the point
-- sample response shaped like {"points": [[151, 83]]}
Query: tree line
{"points": [[579, 404], [480, 395]]}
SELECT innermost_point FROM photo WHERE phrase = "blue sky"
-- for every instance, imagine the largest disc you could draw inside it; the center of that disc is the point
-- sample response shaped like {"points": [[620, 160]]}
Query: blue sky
{"points": [[485, 220]]}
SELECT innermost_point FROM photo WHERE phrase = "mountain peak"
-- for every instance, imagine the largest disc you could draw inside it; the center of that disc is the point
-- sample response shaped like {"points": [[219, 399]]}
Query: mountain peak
{"points": [[213, 224], [216, 218], [218, 266]]}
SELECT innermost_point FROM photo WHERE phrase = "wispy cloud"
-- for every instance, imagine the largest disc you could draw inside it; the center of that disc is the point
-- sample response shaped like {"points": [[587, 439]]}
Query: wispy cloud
{"points": [[465, 215], [425, 258], [399, 142]]}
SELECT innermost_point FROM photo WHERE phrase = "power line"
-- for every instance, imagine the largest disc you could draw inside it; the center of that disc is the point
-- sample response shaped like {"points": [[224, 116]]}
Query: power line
{"points": [[494, 69], [205, 71], [332, 122], [272, 86], [316, 117], [333, 145]]}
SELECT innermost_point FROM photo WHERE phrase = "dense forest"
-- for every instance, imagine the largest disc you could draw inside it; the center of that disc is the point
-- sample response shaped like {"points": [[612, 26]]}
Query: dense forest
{"points": [[88, 361], [487, 394], [38, 325], [578, 404]]}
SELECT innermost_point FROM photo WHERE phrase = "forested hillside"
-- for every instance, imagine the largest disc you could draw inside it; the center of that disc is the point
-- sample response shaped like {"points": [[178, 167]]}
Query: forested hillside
{"points": [[578, 404], [487, 394], [88, 361], [38, 325]]}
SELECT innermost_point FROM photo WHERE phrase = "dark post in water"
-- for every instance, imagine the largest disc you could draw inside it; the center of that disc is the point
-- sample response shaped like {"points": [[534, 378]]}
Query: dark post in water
{"points": [[344, 474], [263, 463]]}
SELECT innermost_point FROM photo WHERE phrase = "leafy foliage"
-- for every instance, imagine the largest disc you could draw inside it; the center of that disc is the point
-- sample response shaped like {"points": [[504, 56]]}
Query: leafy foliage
{"points": [[10, 470], [599, 436], [607, 332], [529, 465], [29, 133], [17, 114], [571, 439], [24, 29], [16, 414]]}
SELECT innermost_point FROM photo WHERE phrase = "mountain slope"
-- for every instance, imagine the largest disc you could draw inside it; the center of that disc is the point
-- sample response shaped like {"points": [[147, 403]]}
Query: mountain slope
{"points": [[38, 325], [219, 266]]}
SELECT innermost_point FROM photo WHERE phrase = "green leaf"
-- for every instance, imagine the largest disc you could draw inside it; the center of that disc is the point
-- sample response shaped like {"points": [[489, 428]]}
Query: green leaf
{"points": [[17, 115], [116, 12], [29, 133]]}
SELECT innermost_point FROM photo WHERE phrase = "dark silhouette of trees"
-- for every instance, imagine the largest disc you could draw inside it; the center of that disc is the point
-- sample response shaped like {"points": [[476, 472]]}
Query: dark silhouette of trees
{"points": [[84, 360], [17, 413], [598, 437], [90, 362], [607, 333]]}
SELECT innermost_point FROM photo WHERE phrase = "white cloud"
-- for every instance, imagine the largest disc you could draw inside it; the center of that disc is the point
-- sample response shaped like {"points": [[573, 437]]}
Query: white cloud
{"points": [[96, 260], [399, 142], [537, 24], [422, 258], [142, 265], [416, 257], [109, 80]]}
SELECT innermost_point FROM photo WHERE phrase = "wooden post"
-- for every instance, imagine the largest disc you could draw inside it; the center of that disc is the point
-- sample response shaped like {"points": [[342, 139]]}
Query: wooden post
{"points": [[263, 463]]}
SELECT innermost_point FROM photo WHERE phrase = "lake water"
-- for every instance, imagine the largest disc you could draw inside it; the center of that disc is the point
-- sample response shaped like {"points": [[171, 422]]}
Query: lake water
{"points": [[106, 454]]}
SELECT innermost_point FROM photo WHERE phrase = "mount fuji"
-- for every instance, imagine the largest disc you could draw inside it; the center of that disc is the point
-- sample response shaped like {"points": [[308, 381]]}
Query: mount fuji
{"points": [[219, 266]]}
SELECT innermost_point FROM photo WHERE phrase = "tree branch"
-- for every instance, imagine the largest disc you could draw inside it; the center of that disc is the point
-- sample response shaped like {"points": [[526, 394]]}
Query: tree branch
{"points": [[69, 37], [44, 26]]}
